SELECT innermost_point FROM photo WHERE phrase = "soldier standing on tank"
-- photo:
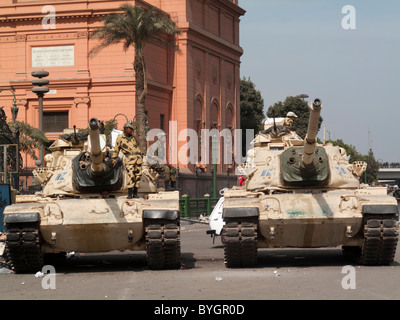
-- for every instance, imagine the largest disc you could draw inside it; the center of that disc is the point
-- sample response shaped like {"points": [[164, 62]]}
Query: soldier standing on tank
{"points": [[127, 144], [289, 120], [157, 159]]}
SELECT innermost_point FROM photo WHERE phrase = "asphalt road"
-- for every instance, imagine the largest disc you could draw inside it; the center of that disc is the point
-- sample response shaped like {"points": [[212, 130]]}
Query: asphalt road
{"points": [[282, 274]]}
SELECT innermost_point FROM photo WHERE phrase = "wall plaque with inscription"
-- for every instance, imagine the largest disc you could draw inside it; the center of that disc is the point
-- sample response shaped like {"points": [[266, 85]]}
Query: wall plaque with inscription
{"points": [[58, 56]]}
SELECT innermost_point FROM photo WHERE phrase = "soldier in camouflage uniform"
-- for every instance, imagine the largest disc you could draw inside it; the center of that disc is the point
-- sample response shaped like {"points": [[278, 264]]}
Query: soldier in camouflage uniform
{"points": [[127, 144], [157, 160], [289, 120]]}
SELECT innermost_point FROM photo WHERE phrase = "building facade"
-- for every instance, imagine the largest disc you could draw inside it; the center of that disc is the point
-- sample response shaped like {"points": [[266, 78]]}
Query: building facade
{"points": [[194, 88]]}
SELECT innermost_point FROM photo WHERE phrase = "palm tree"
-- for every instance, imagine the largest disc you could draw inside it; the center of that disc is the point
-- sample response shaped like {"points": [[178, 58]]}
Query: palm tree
{"points": [[30, 138], [134, 27]]}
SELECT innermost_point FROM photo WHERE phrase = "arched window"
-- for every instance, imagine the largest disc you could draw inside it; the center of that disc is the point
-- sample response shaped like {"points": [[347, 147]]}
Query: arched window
{"points": [[229, 116], [198, 120]]}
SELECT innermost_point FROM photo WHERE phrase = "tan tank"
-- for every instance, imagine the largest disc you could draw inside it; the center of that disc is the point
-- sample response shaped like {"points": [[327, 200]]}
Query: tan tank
{"points": [[302, 194], [83, 207]]}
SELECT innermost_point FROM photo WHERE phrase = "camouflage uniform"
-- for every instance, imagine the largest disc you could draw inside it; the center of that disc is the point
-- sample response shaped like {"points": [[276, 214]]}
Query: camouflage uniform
{"points": [[133, 158], [288, 123], [166, 171]]}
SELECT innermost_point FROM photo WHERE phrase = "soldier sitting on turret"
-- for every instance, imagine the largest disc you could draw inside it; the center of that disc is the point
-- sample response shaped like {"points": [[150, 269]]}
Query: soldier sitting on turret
{"points": [[285, 126], [157, 159], [289, 120], [127, 144]]}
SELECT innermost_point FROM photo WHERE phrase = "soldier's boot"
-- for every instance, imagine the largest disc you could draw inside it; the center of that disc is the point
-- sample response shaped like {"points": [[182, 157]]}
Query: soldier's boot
{"points": [[166, 185], [130, 193], [135, 194]]}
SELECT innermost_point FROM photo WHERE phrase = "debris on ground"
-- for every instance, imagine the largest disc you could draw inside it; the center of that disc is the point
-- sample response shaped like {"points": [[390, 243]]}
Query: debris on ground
{"points": [[4, 268], [204, 219], [39, 274]]}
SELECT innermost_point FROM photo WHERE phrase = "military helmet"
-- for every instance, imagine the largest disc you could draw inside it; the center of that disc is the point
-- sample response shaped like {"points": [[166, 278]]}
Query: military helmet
{"points": [[129, 124], [291, 114]]}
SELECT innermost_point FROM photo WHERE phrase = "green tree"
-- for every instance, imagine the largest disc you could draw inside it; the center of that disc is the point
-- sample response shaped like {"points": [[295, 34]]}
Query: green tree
{"points": [[30, 138], [371, 174], [299, 107], [251, 106], [105, 128], [251, 109], [351, 150], [134, 27]]}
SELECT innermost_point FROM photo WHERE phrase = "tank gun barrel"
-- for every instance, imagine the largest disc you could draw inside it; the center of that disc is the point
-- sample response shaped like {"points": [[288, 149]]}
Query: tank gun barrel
{"points": [[96, 155], [310, 141]]}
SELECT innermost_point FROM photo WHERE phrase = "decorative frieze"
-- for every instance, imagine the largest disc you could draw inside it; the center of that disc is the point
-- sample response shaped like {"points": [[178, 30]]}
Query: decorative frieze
{"points": [[20, 37], [84, 100]]}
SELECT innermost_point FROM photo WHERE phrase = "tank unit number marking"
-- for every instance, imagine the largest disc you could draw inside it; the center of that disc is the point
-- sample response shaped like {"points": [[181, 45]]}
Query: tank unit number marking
{"points": [[343, 172], [340, 170], [266, 172], [60, 176]]}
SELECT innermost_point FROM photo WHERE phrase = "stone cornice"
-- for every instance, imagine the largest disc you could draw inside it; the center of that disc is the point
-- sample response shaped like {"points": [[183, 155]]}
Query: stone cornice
{"points": [[31, 11], [59, 15], [188, 27], [27, 83], [228, 3]]}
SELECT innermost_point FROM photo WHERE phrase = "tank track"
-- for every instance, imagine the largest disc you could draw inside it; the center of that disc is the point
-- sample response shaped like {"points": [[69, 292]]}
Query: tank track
{"points": [[23, 247], [240, 243], [163, 249], [380, 241]]}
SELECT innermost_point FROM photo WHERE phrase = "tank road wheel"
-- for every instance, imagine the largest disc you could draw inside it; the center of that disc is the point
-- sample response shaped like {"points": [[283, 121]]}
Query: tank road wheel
{"points": [[240, 243], [23, 247], [163, 248], [380, 240]]}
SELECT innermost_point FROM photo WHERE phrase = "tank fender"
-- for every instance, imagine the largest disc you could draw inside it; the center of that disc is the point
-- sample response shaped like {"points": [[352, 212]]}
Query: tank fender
{"points": [[161, 214], [21, 217], [380, 209], [240, 212]]}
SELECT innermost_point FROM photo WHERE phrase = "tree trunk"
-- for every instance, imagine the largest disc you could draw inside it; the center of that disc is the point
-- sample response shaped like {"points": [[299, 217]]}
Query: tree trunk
{"points": [[141, 91]]}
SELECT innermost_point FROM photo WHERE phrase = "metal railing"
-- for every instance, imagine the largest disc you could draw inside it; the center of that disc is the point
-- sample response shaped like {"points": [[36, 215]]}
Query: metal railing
{"points": [[194, 207], [7, 152], [389, 164]]}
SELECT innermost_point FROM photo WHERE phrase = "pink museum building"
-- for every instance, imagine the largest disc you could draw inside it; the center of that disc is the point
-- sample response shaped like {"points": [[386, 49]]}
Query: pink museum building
{"points": [[196, 87]]}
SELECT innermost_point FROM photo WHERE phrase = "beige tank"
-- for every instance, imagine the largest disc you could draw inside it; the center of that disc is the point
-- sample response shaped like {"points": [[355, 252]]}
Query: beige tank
{"points": [[83, 207], [302, 194]]}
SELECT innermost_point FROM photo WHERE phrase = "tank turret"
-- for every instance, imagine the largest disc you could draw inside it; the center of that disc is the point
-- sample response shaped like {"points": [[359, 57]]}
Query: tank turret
{"points": [[286, 160], [309, 164], [91, 169], [80, 163]]}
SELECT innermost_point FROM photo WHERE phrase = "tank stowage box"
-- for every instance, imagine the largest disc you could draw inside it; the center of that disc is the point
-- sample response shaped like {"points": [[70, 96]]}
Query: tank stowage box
{"points": [[301, 194], [83, 207]]}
